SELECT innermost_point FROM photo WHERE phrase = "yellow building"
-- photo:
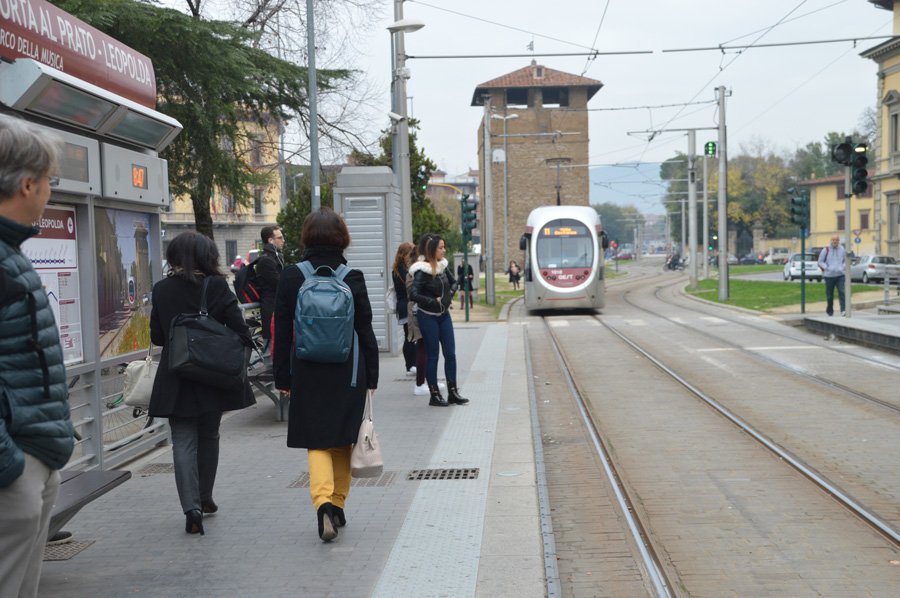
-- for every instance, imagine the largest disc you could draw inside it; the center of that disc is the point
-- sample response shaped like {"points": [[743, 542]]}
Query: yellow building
{"points": [[236, 228], [886, 151], [827, 215]]}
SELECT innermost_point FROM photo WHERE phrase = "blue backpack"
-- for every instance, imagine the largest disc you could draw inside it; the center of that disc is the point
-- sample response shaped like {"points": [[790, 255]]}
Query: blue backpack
{"points": [[323, 317]]}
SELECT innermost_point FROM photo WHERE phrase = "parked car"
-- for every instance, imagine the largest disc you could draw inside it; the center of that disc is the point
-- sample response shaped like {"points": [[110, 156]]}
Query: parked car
{"points": [[777, 255], [731, 259], [624, 255], [873, 268], [805, 260], [751, 259]]}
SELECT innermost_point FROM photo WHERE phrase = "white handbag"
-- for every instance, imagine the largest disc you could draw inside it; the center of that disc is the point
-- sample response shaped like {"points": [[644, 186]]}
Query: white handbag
{"points": [[139, 377], [366, 460]]}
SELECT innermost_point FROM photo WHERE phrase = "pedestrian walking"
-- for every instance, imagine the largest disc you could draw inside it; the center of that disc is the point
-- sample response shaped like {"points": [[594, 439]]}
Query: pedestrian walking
{"points": [[326, 406], [432, 290], [268, 271], [194, 409], [831, 261], [466, 277], [515, 273], [415, 335], [36, 433], [402, 261]]}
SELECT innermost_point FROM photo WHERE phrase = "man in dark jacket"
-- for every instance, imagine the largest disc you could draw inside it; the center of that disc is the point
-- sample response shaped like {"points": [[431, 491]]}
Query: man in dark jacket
{"points": [[466, 278], [268, 272], [36, 434]]}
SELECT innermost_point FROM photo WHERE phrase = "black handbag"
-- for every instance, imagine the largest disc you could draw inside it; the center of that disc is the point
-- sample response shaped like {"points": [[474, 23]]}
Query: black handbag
{"points": [[204, 350]]}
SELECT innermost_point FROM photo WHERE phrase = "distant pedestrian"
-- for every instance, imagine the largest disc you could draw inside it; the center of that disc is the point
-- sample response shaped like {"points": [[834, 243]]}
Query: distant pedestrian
{"points": [[831, 261], [415, 335], [515, 273], [36, 433], [325, 410], [432, 290], [466, 277], [268, 271], [194, 409], [402, 261]]}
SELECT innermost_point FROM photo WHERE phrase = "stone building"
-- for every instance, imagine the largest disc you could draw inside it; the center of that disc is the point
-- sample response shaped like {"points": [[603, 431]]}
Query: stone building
{"points": [[539, 129]]}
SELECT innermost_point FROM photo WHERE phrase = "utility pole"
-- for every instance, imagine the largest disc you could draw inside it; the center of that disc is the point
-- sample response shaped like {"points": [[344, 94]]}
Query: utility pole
{"points": [[848, 194], [723, 198], [705, 217], [692, 208], [487, 233]]}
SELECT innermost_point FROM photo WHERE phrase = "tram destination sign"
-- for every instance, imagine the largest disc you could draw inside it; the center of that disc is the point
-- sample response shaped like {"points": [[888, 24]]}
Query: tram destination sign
{"points": [[39, 30]]}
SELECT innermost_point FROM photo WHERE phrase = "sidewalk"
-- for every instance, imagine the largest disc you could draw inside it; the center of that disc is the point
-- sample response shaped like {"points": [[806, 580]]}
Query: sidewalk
{"points": [[435, 537]]}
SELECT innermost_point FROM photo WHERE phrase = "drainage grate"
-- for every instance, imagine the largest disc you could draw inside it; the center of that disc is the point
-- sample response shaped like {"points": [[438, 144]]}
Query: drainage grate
{"points": [[470, 473], [385, 479], [63, 552], [157, 468]]}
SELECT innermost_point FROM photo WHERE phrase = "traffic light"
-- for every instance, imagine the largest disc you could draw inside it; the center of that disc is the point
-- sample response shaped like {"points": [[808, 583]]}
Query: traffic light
{"points": [[469, 209], [858, 174], [842, 153], [714, 243], [710, 148], [799, 208]]}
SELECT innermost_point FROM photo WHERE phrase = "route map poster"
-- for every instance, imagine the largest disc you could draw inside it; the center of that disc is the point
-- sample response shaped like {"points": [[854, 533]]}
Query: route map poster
{"points": [[124, 281], [54, 255]]}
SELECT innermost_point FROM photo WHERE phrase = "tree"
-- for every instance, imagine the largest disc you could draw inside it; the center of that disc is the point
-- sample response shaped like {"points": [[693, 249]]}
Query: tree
{"points": [[425, 219], [618, 222], [297, 208], [217, 84]]}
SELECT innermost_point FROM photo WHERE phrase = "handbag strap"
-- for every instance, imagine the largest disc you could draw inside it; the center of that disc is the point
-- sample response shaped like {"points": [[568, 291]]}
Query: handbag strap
{"points": [[367, 412], [203, 311]]}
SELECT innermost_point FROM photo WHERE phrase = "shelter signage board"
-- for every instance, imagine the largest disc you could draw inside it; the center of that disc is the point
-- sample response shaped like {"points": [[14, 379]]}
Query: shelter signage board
{"points": [[38, 30]]}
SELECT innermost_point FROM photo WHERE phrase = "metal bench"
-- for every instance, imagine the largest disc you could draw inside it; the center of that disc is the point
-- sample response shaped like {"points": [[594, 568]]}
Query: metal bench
{"points": [[77, 489], [260, 372]]}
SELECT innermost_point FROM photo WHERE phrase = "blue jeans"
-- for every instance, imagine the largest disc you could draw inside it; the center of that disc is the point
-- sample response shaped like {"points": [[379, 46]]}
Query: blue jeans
{"points": [[437, 331], [830, 283]]}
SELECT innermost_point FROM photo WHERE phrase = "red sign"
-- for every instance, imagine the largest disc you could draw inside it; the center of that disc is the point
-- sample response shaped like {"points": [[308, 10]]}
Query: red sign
{"points": [[56, 224], [38, 30]]}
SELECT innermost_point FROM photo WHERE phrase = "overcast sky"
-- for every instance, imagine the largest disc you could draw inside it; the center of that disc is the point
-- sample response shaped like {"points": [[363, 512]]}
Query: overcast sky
{"points": [[784, 96]]}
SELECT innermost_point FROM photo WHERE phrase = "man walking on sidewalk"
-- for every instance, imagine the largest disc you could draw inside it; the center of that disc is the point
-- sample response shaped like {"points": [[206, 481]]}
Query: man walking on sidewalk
{"points": [[831, 261]]}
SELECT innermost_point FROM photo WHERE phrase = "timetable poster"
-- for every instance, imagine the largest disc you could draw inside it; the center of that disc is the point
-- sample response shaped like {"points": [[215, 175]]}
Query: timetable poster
{"points": [[54, 254]]}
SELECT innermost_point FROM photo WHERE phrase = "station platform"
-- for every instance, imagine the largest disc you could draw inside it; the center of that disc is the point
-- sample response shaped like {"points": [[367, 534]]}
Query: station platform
{"points": [[475, 533]]}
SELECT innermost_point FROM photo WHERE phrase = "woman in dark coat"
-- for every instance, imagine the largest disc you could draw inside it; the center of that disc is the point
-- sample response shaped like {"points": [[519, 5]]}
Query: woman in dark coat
{"points": [[194, 409], [398, 275], [325, 410]]}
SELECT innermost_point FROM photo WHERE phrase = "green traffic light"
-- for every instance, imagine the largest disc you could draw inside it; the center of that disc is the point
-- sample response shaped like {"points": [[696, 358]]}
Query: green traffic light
{"points": [[710, 148]]}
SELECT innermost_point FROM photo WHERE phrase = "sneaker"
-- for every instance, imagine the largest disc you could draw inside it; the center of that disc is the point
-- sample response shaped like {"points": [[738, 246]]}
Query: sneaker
{"points": [[421, 390], [411, 371], [843, 314], [60, 538]]}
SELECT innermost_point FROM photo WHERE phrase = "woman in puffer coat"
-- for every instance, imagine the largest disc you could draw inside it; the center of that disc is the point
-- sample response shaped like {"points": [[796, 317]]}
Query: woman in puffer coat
{"points": [[432, 290]]}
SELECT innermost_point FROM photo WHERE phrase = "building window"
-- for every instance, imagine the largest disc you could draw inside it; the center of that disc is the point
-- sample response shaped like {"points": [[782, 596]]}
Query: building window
{"points": [[895, 133], [256, 152], [864, 220], [840, 221], [839, 191], [259, 197], [231, 251], [228, 204], [517, 98], [894, 222], [556, 97]]}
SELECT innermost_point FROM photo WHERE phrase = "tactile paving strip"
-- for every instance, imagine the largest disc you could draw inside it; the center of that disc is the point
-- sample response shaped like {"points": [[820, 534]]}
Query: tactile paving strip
{"points": [[63, 552], [157, 468], [385, 479]]}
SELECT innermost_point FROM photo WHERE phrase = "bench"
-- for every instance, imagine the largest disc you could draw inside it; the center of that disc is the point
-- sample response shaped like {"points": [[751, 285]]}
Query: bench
{"points": [[77, 489], [263, 380]]}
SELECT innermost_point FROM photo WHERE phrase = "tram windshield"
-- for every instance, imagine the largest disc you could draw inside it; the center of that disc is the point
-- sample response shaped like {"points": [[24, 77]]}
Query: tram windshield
{"points": [[565, 243]]}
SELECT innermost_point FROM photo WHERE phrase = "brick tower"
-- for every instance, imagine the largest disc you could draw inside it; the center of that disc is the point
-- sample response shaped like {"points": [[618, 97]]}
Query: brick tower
{"points": [[544, 115]]}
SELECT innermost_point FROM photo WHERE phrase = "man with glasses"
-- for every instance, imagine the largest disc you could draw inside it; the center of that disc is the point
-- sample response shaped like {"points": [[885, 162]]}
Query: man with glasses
{"points": [[36, 433], [268, 271]]}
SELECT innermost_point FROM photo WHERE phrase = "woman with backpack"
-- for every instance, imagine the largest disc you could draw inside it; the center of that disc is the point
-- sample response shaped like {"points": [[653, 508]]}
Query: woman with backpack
{"points": [[194, 409], [432, 290], [327, 399]]}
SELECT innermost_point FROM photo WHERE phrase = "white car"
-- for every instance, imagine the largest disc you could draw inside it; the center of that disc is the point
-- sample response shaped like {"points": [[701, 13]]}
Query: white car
{"points": [[807, 262], [777, 255], [873, 268]]}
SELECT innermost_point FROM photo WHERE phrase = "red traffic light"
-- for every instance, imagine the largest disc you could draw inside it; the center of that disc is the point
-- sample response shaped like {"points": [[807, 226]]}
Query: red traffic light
{"points": [[842, 153]]}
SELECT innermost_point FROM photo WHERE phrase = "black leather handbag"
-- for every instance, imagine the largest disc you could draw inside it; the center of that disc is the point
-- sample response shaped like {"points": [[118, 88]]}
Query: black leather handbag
{"points": [[204, 350]]}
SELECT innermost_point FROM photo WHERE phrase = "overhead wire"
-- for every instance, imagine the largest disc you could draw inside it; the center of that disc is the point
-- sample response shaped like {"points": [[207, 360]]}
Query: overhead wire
{"points": [[592, 58]]}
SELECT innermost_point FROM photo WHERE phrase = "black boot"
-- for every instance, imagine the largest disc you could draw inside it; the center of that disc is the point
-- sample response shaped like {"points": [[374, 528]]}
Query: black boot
{"points": [[453, 395], [436, 399]]}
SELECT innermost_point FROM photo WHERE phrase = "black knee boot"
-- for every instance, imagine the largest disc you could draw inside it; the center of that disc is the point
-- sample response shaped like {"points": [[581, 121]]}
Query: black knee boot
{"points": [[453, 395], [436, 399]]}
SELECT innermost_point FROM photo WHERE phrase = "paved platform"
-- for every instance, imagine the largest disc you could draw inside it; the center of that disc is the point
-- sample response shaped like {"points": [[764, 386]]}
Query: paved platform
{"points": [[444, 537]]}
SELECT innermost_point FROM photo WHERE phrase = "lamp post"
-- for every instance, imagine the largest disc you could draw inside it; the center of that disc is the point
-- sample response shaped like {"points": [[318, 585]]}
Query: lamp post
{"points": [[400, 145], [505, 186]]}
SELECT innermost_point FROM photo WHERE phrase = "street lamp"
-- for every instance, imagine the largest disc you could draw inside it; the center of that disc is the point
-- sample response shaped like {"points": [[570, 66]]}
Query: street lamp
{"points": [[505, 186], [400, 144]]}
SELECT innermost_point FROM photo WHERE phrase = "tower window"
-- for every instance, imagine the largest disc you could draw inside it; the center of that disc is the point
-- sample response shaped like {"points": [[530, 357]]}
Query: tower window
{"points": [[556, 97], [517, 98]]}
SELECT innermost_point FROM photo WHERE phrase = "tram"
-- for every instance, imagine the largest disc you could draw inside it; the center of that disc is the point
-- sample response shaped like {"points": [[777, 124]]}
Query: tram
{"points": [[564, 255]]}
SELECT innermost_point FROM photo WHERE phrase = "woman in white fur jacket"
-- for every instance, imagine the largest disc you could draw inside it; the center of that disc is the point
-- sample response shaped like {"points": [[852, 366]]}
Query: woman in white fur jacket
{"points": [[432, 290]]}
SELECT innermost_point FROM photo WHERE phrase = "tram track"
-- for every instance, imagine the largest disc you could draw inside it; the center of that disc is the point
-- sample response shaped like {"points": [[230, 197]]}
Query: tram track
{"points": [[818, 379], [808, 471]]}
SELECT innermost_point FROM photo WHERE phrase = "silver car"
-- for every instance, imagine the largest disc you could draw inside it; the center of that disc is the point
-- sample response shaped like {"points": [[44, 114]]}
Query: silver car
{"points": [[873, 267], [807, 261]]}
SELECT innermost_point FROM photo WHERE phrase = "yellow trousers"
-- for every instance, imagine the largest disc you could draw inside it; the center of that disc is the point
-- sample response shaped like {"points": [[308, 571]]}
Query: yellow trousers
{"points": [[329, 475]]}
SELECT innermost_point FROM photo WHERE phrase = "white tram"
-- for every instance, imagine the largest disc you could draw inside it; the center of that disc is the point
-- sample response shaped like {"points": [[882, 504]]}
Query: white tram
{"points": [[564, 255]]}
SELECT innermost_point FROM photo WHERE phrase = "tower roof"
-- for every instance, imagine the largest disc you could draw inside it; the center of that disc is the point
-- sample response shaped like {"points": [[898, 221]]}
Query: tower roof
{"points": [[535, 75]]}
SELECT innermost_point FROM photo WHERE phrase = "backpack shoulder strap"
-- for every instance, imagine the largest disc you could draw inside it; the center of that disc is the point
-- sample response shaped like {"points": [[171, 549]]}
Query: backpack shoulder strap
{"points": [[306, 268], [341, 271]]}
